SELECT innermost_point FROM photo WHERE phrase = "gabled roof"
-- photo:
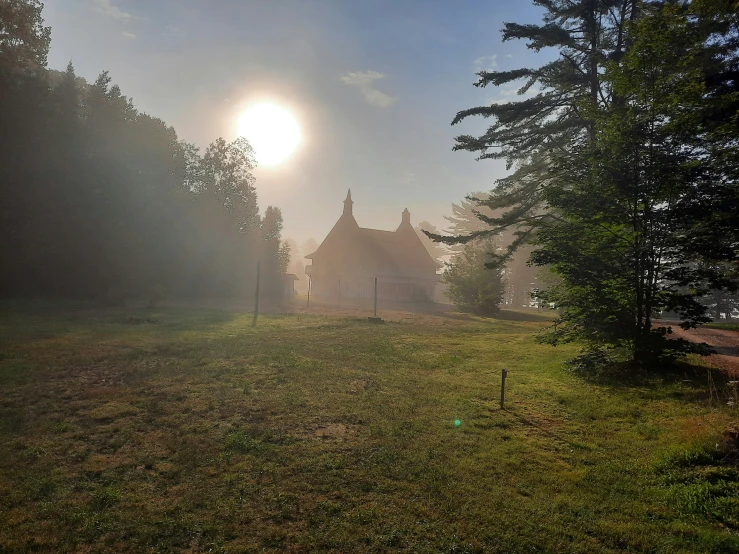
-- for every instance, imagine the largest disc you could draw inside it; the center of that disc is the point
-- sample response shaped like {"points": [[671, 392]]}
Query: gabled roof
{"points": [[398, 252], [398, 248]]}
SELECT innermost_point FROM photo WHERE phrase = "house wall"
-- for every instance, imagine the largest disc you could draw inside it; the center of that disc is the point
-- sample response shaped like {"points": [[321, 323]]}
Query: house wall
{"points": [[332, 286]]}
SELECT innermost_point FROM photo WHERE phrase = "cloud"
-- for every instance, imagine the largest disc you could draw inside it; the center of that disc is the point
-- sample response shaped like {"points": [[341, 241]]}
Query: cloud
{"points": [[107, 8], [170, 31], [128, 35], [363, 80], [486, 63]]}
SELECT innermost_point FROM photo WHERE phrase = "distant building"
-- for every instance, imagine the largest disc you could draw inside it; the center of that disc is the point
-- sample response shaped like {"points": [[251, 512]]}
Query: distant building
{"points": [[287, 289], [348, 260]]}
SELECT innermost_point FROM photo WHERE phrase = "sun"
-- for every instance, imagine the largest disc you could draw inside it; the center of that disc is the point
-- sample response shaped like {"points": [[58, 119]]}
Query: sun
{"points": [[272, 131]]}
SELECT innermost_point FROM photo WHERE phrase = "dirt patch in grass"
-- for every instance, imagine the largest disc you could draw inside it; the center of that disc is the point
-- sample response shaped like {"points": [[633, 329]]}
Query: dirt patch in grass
{"points": [[335, 431]]}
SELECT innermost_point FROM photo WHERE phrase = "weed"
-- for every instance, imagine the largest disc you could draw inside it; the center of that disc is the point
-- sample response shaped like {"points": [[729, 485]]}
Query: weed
{"points": [[105, 497], [239, 442]]}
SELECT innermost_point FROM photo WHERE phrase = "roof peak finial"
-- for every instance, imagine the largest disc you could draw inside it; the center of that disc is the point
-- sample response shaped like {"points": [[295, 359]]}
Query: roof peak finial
{"points": [[348, 203]]}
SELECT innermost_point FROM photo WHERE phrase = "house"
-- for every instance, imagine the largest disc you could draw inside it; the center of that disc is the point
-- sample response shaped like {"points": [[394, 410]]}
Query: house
{"points": [[287, 281], [350, 258]]}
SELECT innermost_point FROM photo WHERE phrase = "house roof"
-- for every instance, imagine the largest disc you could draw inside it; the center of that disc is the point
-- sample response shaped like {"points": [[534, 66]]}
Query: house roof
{"points": [[397, 252]]}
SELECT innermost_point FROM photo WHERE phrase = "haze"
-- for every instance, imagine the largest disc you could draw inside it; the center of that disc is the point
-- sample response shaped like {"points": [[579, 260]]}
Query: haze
{"points": [[373, 86], [431, 276]]}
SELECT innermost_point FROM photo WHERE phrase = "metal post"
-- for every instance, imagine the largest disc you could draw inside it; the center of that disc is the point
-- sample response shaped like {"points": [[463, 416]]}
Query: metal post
{"points": [[339, 291], [375, 296], [256, 299], [310, 281], [502, 388]]}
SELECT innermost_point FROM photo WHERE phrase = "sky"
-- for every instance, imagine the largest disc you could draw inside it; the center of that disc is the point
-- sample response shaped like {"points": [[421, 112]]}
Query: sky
{"points": [[374, 86]]}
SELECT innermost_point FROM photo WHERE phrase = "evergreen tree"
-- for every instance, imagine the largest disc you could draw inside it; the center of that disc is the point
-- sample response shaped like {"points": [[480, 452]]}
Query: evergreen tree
{"points": [[617, 173], [465, 221], [567, 91], [435, 249], [474, 284], [275, 254]]}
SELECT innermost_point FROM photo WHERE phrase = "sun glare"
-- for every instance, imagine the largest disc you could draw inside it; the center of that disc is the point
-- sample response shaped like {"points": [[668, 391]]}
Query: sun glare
{"points": [[272, 131]]}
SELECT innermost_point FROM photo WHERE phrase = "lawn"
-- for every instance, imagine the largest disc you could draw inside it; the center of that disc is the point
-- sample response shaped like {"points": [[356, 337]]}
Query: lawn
{"points": [[726, 326], [132, 430]]}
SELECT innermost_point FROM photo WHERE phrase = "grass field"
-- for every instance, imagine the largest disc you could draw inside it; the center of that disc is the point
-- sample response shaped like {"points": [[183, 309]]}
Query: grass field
{"points": [[727, 326], [186, 430]]}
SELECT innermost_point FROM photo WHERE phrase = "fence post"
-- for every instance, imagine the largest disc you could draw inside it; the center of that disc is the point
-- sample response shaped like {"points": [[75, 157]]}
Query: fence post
{"points": [[502, 388], [375, 296], [256, 299]]}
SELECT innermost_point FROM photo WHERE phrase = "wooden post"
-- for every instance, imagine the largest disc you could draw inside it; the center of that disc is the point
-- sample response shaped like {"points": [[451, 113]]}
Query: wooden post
{"points": [[310, 282], [375, 296], [502, 388], [339, 292], [256, 299]]}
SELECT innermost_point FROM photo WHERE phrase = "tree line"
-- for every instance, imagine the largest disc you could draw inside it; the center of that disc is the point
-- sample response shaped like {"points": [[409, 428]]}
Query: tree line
{"points": [[100, 200], [625, 158]]}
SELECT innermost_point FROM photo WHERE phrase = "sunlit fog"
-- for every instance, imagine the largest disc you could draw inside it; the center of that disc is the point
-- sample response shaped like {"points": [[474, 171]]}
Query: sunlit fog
{"points": [[369, 276]]}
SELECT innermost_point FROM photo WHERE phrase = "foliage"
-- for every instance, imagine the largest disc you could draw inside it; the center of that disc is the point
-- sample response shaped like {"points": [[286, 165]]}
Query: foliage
{"points": [[309, 246], [619, 240], [473, 286], [465, 221], [435, 249], [621, 168], [24, 41], [275, 255], [100, 200], [283, 257], [227, 175]]}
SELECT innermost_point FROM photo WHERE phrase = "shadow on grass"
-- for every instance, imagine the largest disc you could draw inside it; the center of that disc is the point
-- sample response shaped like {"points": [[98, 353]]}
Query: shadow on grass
{"points": [[503, 315], [46, 318], [38, 306], [680, 380]]}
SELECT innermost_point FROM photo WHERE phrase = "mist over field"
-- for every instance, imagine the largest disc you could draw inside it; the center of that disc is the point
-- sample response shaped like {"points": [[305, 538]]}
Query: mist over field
{"points": [[324, 276]]}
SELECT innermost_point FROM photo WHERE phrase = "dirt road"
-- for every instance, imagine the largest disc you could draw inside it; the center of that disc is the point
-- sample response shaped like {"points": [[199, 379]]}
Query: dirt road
{"points": [[725, 343]]}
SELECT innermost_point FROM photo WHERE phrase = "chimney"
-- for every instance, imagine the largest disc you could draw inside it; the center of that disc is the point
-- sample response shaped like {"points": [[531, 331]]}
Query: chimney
{"points": [[406, 217], [348, 203]]}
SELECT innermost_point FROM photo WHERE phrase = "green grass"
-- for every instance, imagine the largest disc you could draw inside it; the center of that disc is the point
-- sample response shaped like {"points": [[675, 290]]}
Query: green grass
{"points": [[175, 430], [726, 326]]}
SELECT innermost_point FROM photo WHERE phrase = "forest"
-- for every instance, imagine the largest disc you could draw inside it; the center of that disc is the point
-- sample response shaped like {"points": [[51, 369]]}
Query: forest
{"points": [[101, 201]]}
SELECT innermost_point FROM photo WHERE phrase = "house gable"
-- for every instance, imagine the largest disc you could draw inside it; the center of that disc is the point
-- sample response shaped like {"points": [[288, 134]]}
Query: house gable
{"points": [[350, 248]]}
